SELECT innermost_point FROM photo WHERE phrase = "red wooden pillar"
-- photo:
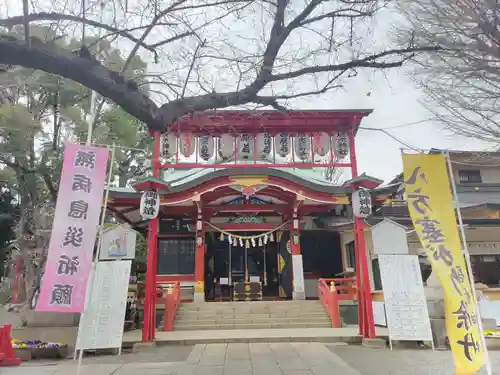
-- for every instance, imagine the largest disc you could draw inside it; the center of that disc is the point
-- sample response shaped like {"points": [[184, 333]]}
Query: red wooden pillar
{"points": [[365, 309], [369, 322], [148, 327]]}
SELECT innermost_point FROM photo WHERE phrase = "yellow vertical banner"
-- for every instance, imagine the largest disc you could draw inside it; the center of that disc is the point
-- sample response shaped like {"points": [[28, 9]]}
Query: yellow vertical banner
{"points": [[430, 204]]}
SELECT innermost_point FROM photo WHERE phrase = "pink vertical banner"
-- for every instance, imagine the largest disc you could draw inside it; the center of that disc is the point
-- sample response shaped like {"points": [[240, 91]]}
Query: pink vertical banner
{"points": [[74, 230]]}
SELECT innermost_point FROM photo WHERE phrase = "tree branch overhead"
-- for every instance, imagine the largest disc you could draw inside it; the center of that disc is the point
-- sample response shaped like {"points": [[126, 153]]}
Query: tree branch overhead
{"points": [[275, 57]]}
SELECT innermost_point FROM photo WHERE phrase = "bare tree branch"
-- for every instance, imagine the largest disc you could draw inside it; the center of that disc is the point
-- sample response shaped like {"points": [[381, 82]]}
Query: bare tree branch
{"points": [[57, 17], [462, 82], [244, 51], [370, 61], [87, 72], [195, 56], [148, 30]]}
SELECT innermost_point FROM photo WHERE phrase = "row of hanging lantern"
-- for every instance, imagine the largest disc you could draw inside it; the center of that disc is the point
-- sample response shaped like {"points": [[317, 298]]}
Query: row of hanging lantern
{"points": [[258, 240], [321, 144]]}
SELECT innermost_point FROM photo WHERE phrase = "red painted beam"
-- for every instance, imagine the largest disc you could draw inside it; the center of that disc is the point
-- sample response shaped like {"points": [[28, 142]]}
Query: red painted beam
{"points": [[219, 187], [245, 208], [253, 227], [218, 122]]}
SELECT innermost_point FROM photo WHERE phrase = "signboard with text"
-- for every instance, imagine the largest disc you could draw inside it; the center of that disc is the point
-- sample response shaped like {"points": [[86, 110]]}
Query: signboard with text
{"points": [[430, 204], [74, 230], [405, 303], [101, 326]]}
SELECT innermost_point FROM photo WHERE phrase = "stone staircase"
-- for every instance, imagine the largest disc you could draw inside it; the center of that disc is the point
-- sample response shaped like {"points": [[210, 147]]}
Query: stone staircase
{"points": [[251, 315]]}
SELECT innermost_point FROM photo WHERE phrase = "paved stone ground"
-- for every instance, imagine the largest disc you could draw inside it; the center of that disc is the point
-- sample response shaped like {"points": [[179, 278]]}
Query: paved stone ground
{"points": [[258, 359], [403, 362], [214, 359]]}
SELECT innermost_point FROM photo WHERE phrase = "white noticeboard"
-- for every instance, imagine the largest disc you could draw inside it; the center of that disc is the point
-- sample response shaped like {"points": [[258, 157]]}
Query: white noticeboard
{"points": [[298, 273], [118, 242], [101, 325], [405, 303]]}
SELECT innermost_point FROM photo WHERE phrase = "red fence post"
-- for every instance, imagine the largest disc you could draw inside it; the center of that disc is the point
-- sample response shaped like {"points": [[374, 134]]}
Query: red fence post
{"points": [[330, 300], [7, 355]]}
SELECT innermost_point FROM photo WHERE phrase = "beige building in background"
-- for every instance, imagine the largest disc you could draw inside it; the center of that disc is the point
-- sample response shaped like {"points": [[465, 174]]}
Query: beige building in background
{"points": [[477, 178]]}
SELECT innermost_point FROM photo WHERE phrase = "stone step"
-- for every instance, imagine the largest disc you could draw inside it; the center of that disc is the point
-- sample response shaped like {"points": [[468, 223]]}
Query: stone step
{"points": [[250, 318], [195, 307], [246, 313], [252, 310], [181, 320], [251, 315], [257, 303], [267, 335], [229, 326]]}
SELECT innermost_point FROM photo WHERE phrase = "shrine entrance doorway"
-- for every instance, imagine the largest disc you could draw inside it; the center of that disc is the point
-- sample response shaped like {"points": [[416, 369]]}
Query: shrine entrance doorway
{"points": [[229, 267]]}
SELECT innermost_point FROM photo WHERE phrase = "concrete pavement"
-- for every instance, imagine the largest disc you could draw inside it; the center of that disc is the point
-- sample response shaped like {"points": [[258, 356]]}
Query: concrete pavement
{"points": [[212, 359], [403, 362], [258, 359]]}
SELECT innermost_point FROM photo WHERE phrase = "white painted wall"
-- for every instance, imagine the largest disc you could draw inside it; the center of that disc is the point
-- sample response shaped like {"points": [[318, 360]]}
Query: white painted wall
{"points": [[480, 240], [489, 174], [348, 237], [389, 237]]}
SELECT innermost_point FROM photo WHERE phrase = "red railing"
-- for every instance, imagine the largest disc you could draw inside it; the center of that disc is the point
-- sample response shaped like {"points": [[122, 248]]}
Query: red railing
{"points": [[331, 291], [172, 298], [169, 294], [346, 288]]}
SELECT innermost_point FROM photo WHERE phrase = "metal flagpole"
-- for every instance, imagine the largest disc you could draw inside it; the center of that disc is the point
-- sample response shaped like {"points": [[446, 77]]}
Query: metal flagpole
{"points": [[106, 198], [465, 251]]}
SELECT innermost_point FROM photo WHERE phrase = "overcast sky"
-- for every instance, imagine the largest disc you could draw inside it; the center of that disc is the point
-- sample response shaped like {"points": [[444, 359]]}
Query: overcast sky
{"points": [[395, 101]]}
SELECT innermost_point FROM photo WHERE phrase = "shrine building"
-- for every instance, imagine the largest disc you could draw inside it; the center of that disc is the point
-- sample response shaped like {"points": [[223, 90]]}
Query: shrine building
{"points": [[254, 206]]}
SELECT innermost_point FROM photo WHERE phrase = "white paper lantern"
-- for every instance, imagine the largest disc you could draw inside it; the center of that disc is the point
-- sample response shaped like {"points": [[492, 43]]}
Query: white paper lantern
{"points": [[341, 145], [150, 205], [187, 144], [168, 145], [321, 143], [303, 147], [362, 203], [226, 146], [282, 144], [205, 147], [245, 146], [263, 143]]}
